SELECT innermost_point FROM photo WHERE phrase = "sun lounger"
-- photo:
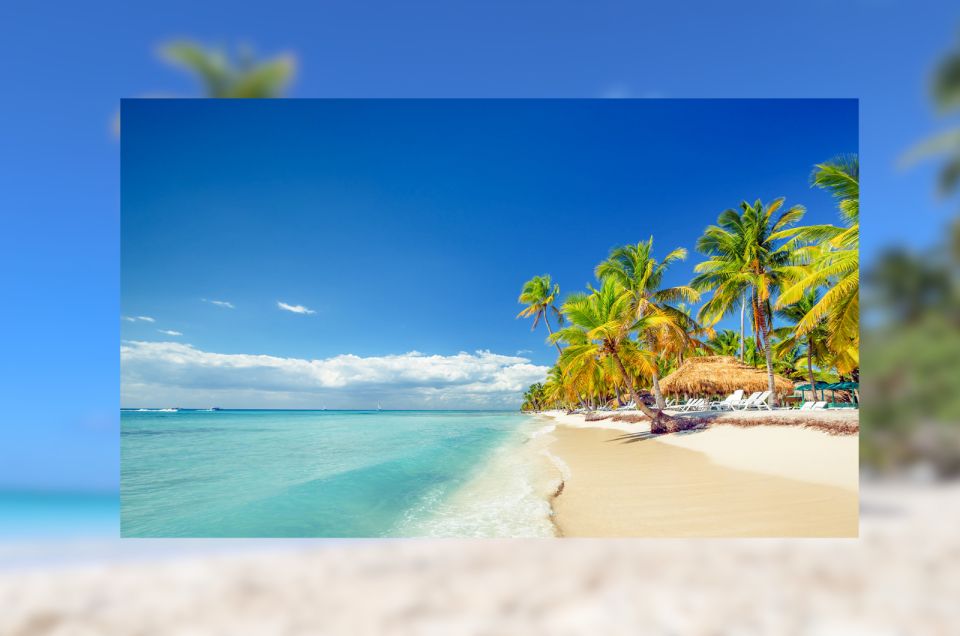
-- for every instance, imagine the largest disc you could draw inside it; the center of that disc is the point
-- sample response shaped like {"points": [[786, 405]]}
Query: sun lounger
{"points": [[747, 403], [818, 406], [694, 405], [806, 406], [729, 402], [761, 402]]}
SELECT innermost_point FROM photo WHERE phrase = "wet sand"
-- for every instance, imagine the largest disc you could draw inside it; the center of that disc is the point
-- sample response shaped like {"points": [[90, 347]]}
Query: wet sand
{"points": [[628, 484]]}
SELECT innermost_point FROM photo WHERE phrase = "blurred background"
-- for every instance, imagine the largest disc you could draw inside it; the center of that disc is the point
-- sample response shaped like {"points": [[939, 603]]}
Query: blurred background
{"points": [[65, 68]]}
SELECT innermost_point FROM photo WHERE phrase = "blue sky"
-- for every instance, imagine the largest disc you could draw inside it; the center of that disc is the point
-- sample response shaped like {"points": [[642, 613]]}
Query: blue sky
{"points": [[59, 163], [314, 229]]}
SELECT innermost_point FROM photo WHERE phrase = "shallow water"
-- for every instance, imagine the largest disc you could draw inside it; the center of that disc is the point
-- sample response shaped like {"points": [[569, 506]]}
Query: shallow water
{"points": [[329, 474]]}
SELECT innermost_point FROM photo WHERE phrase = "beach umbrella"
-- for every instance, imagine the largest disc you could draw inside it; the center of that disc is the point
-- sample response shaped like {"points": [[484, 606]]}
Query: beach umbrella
{"points": [[819, 385], [849, 386]]}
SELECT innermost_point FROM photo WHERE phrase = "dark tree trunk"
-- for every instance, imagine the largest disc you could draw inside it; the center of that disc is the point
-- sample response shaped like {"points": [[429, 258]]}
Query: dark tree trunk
{"points": [[661, 404], [743, 311], [765, 327], [660, 422], [546, 321]]}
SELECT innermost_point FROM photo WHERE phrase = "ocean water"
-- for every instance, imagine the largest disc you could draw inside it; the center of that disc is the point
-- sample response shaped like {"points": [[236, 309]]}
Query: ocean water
{"points": [[332, 474]]}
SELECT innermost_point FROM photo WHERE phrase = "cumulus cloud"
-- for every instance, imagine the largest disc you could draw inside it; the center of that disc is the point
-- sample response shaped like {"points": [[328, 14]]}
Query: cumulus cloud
{"points": [[297, 309], [219, 303], [170, 372], [170, 332]]}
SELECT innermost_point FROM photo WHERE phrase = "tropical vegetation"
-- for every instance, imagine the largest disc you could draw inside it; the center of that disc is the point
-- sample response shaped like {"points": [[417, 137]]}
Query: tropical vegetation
{"points": [[795, 286]]}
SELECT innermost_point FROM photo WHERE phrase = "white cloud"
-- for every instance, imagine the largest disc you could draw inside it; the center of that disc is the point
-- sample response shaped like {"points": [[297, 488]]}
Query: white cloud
{"points": [[297, 309], [136, 318], [523, 351], [219, 303], [174, 373], [170, 332], [128, 318], [146, 319]]}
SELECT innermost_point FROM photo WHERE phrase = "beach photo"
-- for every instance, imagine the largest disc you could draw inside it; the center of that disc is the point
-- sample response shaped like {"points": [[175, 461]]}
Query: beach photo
{"points": [[489, 318]]}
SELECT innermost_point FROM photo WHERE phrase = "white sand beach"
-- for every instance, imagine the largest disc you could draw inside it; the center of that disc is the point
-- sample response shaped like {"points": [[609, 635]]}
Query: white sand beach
{"points": [[722, 480]]}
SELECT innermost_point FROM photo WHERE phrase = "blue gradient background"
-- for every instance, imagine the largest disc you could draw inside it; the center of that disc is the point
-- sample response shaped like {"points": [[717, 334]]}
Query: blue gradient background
{"points": [[67, 66]]}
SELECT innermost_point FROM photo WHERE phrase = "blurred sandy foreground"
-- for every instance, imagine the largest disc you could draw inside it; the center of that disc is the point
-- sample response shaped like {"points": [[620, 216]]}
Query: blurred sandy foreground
{"points": [[901, 577]]}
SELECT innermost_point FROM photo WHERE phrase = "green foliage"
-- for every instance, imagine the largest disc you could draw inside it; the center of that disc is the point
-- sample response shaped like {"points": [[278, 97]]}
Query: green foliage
{"points": [[725, 343], [540, 295], [224, 77]]}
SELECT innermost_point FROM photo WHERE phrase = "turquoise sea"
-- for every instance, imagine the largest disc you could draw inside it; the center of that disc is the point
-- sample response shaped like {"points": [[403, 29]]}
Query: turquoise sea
{"points": [[235, 473]]}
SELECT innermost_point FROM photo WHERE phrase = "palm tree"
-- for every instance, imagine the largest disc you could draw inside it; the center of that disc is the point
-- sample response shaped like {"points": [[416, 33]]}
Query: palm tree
{"points": [[599, 335], [634, 268], [240, 77], [813, 342], [832, 261], [747, 254], [539, 295], [534, 398], [946, 97], [726, 343], [752, 355]]}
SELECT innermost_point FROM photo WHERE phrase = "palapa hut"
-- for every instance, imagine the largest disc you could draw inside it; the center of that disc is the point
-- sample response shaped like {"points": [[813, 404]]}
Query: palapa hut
{"points": [[719, 376]]}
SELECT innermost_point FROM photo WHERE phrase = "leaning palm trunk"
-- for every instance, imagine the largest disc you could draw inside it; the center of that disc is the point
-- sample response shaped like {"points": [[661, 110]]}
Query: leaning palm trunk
{"points": [[661, 403], [546, 321], [659, 421]]}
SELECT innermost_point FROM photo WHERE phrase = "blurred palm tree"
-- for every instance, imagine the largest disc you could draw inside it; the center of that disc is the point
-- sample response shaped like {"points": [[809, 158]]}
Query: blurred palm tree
{"points": [[945, 91], [241, 76], [223, 77]]}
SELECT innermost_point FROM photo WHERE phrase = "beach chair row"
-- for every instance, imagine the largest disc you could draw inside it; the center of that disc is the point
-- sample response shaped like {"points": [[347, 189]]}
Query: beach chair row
{"points": [[733, 402]]}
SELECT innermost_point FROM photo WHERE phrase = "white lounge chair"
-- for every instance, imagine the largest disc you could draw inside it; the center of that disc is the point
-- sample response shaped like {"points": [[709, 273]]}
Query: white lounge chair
{"points": [[761, 402], [806, 406], [818, 406], [747, 403], [729, 402], [692, 404]]}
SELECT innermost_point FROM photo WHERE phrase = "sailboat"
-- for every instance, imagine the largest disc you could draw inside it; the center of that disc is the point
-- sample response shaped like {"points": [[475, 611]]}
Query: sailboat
{"points": [[378, 406]]}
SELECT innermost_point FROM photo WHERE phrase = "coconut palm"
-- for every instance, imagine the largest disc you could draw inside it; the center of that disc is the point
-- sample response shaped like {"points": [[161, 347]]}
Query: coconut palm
{"points": [[725, 343], [946, 97], [813, 343], [635, 269], [832, 261], [534, 398], [222, 76], [748, 254], [539, 295], [599, 337]]}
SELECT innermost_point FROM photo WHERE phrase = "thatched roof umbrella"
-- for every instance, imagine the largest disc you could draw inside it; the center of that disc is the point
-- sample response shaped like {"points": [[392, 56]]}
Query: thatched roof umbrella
{"points": [[719, 375]]}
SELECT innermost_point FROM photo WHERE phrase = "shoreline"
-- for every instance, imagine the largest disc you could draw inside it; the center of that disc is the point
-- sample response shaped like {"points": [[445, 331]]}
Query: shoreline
{"points": [[740, 478]]}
